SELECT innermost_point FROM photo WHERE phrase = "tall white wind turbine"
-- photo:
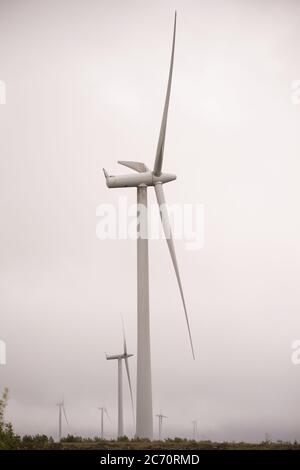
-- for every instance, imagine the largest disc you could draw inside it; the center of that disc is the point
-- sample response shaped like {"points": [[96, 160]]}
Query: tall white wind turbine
{"points": [[103, 411], [120, 358], [141, 180], [160, 421], [61, 410]]}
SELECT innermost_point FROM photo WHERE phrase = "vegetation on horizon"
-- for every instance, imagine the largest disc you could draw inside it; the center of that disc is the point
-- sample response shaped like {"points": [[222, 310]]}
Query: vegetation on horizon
{"points": [[10, 440]]}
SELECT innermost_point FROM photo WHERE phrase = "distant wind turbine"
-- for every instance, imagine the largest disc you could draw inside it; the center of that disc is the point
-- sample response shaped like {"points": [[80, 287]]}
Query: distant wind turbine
{"points": [[103, 410], [141, 180], [195, 430], [61, 408], [160, 421], [120, 358]]}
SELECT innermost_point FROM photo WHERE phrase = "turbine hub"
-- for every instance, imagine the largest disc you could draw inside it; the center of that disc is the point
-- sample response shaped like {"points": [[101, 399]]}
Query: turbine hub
{"points": [[164, 178]]}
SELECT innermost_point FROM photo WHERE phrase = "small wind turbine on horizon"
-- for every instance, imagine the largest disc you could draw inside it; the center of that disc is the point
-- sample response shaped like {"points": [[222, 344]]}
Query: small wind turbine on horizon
{"points": [[195, 430], [122, 357], [103, 410], [160, 421], [141, 180], [61, 408]]}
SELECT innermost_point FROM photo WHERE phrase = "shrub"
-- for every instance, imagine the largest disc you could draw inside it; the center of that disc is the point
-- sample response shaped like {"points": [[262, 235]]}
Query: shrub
{"points": [[123, 439]]}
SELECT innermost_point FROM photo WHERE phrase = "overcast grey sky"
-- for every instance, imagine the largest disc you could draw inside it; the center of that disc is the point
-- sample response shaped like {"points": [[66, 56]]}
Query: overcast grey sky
{"points": [[85, 84]]}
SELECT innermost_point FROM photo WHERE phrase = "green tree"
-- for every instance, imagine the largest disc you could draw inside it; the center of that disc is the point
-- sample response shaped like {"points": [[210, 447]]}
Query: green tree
{"points": [[8, 439]]}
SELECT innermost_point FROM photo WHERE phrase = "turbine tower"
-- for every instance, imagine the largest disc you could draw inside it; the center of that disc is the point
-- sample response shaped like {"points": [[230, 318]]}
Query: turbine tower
{"points": [[160, 421], [141, 180], [61, 410], [103, 411], [195, 430], [120, 358]]}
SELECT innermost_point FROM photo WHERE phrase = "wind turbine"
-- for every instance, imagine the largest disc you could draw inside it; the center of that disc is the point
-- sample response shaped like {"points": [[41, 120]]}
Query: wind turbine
{"points": [[61, 408], [103, 411], [160, 421], [195, 430], [120, 358], [141, 180]]}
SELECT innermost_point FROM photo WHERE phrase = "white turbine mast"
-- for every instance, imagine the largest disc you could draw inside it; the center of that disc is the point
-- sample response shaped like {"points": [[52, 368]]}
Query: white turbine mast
{"points": [[61, 411], [120, 357], [141, 180], [160, 417], [195, 430]]}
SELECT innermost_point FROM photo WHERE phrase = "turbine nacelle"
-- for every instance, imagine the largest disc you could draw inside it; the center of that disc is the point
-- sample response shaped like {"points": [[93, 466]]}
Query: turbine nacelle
{"points": [[111, 357], [146, 178]]}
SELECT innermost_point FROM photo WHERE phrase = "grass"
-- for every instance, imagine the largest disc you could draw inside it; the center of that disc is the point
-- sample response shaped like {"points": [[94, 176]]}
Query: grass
{"points": [[138, 444]]}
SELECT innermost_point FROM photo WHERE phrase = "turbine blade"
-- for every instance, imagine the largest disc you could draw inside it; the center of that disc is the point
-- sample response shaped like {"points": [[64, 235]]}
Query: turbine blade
{"points": [[106, 412], [124, 337], [136, 166], [65, 415], [162, 135], [129, 382], [168, 233]]}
